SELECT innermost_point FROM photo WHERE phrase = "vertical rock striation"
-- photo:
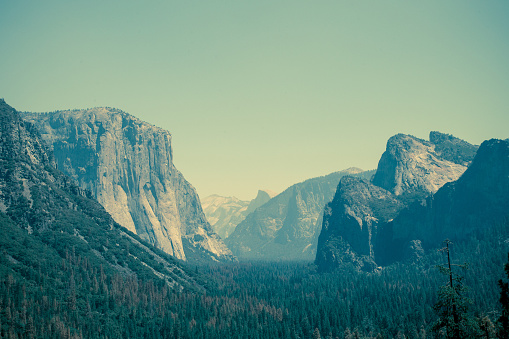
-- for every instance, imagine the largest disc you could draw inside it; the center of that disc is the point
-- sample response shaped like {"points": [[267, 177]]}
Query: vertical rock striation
{"points": [[127, 164]]}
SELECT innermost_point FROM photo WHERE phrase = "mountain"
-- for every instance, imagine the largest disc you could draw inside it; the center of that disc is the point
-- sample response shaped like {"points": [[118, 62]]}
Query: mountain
{"points": [[42, 205], [225, 213], [262, 197], [351, 221], [288, 225], [413, 168], [409, 170], [127, 164], [478, 200], [67, 269], [453, 149]]}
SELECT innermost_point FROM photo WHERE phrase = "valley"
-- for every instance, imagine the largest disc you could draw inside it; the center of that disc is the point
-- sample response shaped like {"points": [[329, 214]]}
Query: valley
{"points": [[254, 169], [103, 237]]}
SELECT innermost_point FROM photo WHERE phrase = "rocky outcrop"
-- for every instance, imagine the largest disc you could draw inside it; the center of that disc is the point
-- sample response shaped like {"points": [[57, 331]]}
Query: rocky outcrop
{"points": [[225, 213], [476, 201], [287, 227], [351, 222], [355, 228], [127, 165], [413, 168], [43, 206]]}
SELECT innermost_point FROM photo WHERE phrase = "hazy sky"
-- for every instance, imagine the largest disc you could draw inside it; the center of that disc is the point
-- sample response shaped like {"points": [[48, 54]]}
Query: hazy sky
{"points": [[265, 94]]}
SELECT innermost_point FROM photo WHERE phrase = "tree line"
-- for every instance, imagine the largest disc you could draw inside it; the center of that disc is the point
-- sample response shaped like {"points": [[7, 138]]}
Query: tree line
{"points": [[63, 294]]}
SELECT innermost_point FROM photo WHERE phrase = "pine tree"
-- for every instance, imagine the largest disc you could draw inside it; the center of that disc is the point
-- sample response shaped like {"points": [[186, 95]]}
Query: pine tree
{"points": [[503, 321], [487, 329], [316, 333], [452, 304]]}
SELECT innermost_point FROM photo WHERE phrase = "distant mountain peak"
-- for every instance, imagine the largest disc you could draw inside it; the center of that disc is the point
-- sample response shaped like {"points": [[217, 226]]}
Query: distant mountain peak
{"points": [[353, 170], [225, 213], [262, 197], [270, 193]]}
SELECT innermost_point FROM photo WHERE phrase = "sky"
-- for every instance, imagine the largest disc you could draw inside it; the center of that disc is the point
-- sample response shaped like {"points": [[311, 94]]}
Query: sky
{"points": [[265, 94]]}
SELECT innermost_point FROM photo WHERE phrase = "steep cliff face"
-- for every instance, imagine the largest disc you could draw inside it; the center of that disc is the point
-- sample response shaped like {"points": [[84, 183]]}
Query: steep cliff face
{"points": [[43, 207], [127, 165], [355, 228], [225, 213], [476, 201], [287, 227], [351, 222], [413, 168]]}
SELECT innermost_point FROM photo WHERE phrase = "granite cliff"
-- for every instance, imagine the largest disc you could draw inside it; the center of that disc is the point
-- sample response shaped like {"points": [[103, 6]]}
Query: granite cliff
{"points": [[127, 165], [479, 199], [351, 222], [46, 219], [411, 169], [287, 227]]}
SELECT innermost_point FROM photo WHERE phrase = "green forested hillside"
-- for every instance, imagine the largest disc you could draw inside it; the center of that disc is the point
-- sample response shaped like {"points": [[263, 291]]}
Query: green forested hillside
{"points": [[291, 300], [58, 295], [51, 288]]}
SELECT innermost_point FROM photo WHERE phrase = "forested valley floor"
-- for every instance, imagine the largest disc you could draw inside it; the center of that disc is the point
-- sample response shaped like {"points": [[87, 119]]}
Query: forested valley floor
{"points": [[65, 297]]}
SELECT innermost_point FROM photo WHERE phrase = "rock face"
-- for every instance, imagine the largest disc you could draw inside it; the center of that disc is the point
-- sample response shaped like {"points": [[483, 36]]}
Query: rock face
{"points": [[413, 168], [354, 229], [225, 213], [351, 221], [127, 165], [477, 200], [46, 208], [287, 227]]}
